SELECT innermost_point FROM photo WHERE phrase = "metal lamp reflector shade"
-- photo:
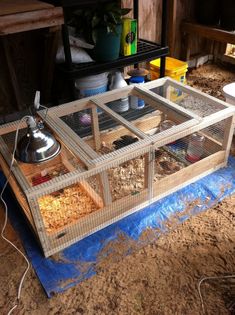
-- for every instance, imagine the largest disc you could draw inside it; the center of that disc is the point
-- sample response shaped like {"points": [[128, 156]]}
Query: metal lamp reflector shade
{"points": [[37, 145]]}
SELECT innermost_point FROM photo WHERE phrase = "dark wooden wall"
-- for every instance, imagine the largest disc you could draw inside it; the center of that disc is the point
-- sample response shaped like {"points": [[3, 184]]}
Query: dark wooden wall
{"points": [[150, 13], [20, 53], [179, 10], [22, 60]]}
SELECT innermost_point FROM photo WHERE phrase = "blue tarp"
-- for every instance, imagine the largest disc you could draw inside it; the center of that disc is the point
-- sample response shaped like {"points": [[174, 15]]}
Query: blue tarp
{"points": [[81, 260]]}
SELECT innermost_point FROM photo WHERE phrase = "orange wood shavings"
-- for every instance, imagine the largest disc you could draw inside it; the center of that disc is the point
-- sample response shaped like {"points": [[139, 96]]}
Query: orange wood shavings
{"points": [[66, 207]]}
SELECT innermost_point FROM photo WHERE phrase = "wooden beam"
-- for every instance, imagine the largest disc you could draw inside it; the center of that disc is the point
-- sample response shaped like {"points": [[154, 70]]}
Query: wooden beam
{"points": [[228, 135], [164, 104], [172, 9], [72, 140], [209, 32], [20, 6], [145, 124], [95, 128], [27, 21], [120, 119], [68, 108]]}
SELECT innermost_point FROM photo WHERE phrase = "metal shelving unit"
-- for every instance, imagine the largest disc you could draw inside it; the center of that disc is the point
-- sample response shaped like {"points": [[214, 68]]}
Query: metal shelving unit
{"points": [[146, 50]]}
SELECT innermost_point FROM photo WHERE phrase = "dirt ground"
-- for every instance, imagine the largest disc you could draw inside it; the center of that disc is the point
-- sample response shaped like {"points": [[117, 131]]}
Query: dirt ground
{"points": [[159, 279], [211, 79]]}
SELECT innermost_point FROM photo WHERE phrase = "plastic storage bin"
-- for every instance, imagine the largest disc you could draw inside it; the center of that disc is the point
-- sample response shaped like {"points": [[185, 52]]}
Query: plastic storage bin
{"points": [[92, 85], [176, 69], [229, 93]]}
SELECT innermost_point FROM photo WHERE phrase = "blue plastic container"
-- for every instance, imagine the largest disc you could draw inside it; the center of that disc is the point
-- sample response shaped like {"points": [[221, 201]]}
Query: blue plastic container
{"points": [[136, 102]]}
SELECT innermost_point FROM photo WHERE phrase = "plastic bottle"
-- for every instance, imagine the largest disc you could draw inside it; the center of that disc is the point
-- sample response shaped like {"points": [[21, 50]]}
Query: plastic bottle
{"points": [[195, 147], [135, 102], [121, 105]]}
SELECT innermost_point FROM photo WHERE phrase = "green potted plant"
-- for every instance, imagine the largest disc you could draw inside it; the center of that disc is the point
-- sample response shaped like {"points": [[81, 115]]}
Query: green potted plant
{"points": [[102, 26]]}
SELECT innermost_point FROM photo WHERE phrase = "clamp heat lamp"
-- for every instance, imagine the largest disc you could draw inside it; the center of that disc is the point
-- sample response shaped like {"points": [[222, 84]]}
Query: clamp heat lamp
{"points": [[37, 145]]}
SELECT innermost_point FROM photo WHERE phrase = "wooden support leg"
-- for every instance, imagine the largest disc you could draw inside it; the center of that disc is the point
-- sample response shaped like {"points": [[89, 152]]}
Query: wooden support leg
{"points": [[172, 17], [103, 177], [104, 182], [228, 135], [167, 91], [149, 171]]}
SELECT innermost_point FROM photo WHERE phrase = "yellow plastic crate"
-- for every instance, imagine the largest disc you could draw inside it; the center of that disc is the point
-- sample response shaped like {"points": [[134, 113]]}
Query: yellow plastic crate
{"points": [[176, 69]]}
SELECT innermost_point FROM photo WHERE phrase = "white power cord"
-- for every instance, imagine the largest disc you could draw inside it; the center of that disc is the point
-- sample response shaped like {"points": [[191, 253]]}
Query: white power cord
{"points": [[6, 218], [210, 278]]}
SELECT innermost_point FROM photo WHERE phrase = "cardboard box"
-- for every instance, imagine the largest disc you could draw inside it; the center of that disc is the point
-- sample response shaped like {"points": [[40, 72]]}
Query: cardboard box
{"points": [[129, 37]]}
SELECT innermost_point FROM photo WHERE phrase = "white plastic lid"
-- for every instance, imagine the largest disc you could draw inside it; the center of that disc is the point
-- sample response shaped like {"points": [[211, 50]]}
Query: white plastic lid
{"points": [[229, 90]]}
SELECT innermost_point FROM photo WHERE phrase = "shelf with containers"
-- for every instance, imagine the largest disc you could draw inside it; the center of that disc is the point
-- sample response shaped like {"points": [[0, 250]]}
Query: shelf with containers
{"points": [[146, 50], [109, 174]]}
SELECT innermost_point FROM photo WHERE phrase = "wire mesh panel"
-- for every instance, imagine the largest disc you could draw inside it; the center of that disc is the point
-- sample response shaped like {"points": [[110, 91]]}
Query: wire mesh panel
{"points": [[113, 163], [113, 135], [193, 156], [182, 96], [152, 115], [128, 178], [72, 211], [79, 121]]}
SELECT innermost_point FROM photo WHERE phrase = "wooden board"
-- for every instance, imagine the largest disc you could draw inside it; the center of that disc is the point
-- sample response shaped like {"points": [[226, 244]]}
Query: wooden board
{"points": [[184, 175], [145, 124], [33, 20], [119, 119], [126, 206], [18, 194], [212, 33], [150, 18], [19, 6]]}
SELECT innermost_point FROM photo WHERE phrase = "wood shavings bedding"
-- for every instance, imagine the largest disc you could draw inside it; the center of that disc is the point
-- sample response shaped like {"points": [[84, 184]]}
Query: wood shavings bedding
{"points": [[65, 207], [70, 204], [128, 178]]}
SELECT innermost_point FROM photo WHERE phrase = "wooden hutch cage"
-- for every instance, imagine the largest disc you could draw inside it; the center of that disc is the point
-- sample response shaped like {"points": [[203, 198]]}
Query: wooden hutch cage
{"points": [[117, 164]]}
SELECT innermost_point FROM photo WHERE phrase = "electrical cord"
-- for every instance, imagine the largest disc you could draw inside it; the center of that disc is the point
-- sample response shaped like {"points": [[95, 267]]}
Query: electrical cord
{"points": [[6, 218], [37, 104], [210, 278], [46, 108]]}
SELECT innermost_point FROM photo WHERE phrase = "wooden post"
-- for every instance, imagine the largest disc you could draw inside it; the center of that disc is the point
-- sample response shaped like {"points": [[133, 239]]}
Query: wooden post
{"points": [[104, 182], [149, 171], [185, 50], [228, 135], [172, 25], [95, 127]]}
